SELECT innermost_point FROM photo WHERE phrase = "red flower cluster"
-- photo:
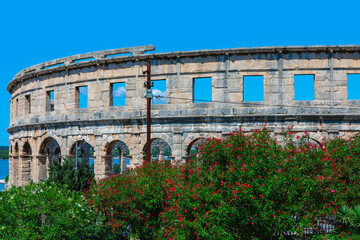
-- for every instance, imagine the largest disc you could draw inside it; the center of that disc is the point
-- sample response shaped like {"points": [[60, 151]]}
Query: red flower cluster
{"points": [[245, 186]]}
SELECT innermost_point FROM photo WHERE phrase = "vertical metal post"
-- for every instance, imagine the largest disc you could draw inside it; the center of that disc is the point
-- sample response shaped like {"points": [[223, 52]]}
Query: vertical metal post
{"points": [[76, 155], [148, 114]]}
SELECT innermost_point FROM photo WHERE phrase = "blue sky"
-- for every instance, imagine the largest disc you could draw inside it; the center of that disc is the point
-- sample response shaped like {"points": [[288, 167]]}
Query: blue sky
{"points": [[36, 31]]}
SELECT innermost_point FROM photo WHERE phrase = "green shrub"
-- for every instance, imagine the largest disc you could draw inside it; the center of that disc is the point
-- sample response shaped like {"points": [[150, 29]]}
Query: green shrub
{"points": [[66, 173], [7, 178], [46, 211], [350, 218], [116, 168]]}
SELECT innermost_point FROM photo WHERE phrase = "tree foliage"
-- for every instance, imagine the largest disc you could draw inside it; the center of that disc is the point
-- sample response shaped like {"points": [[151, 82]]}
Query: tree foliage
{"points": [[47, 211], [4, 154], [77, 179]]}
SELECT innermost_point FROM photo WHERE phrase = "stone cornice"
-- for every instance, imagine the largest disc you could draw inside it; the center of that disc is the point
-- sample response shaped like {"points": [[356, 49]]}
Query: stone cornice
{"points": [[102, 57], [193, 119]]}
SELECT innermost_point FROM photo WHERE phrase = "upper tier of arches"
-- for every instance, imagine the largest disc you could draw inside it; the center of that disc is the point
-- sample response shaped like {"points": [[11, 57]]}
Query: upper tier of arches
{"points": [[52, 92]]}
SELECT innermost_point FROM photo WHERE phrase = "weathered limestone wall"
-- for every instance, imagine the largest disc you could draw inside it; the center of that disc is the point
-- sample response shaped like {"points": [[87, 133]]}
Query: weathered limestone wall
{"points": [[52, 134]]}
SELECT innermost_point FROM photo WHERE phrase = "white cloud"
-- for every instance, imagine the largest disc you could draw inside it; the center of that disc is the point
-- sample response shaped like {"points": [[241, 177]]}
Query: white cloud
{"points": [[120, 92], [162, 99], [83, 91]]}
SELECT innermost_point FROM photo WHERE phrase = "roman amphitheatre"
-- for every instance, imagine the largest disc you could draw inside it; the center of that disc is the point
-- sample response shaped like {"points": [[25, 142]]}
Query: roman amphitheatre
{"points": [[48, 123]]}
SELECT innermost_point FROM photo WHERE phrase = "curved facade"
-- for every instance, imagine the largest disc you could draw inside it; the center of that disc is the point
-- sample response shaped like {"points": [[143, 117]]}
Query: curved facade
{"points": [[48, 121]]}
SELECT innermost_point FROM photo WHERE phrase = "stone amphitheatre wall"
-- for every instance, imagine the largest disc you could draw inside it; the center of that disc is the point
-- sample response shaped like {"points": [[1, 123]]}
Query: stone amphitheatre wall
{"points": [[43, 131]]}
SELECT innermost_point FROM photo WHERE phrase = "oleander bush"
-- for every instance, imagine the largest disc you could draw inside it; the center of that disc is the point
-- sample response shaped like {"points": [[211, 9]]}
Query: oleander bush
{"points": [[246, 186], [47, 211], [133, 201]]}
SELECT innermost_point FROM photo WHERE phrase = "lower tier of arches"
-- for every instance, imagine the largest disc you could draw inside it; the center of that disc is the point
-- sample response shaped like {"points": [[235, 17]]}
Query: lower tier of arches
{"points": [[111, 149]]}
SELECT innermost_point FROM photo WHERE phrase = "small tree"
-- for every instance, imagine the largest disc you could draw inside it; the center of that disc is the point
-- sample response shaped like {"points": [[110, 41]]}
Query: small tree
{"points": [[116, 168], [77, 179]]}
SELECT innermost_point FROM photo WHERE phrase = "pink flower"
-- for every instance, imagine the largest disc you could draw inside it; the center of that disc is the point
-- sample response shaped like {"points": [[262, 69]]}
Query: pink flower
{"points": [[278, 171]]}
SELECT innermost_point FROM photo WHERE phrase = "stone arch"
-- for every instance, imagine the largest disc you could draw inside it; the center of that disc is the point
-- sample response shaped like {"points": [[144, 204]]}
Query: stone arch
{"points": [[44, 140], [49, 151], [89, 139], [189, 140], [113, 138], [26, 162], [123, 153], [10, 149], [315, 138], [161, 145], [16, 149], [49, 146], [163, 136], [26, 149], [193, 144], [85, 151], [14, 164]]}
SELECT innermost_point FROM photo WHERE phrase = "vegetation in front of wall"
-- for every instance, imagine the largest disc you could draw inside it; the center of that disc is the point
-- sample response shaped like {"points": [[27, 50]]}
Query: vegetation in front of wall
{"points": [[75, 177], [116, 168], [246, 186], [48, 211], [349, 218], [241, 187]]}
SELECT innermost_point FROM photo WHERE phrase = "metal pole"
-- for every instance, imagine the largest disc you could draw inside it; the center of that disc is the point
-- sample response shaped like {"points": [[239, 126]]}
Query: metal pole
{"points": [[76, 155], [148, 114]]}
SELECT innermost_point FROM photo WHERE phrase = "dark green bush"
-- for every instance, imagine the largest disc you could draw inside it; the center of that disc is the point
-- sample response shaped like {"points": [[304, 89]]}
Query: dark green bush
{"points": [[67, 174], [116, 168]]}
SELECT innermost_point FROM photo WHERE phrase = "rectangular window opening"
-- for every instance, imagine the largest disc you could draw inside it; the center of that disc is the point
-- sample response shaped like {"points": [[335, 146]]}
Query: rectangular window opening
{"points": [[118, 55], [353, 85], [27, 104], [304, 88], [50, 101], [84, 60], [16, 108], [159, 92], [202, 90], [253, 88], [117, 94], [53, 66], [81, 97]]}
